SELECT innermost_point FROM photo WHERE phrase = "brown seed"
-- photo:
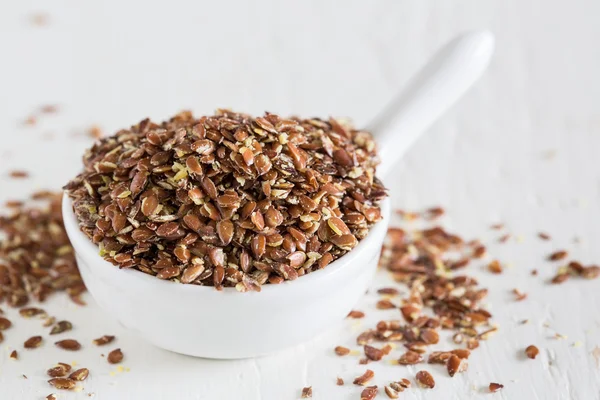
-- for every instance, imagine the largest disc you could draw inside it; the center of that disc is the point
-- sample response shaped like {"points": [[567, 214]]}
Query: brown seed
{"points": [[356, 314], [558, 255], [342, 351], [18, 174], [168, 272], [455, 364], [307, 392], [4, 324], [29, 312], [385, 305], [591, 272], [388, 291], [532, 351], [425, 380], [369, 393], [51, 396], [495, 267], [494, 387], [33, 342], [62, 383], [373, 353], [339, 381], [14, 355], [106, 339], [410, 358], [80, 374], [430, 336], [544, 236], [115, 356], [560, 278], [68, 344], [364, 378], [60, 327], [60, 370], [391, 393]]}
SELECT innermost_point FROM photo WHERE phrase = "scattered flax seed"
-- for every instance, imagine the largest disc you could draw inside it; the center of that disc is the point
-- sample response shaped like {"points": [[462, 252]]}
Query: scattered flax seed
{"points": [[80, 374], [410, 358], [62, 383], [373, 353], [19, 174], [4, 323], [456, 364], [106, 339], [68, 344], [558, 255], [229, 200], [495, 267], [342, 351], [51, 396], [14, 355], [364, 378], [532, 351], [388, 291], [95, 132], [497, 227], [37, 256], [544, 236], [534, 272], [49, 109], [425, 380], [59, 370], [479, 251], [369, 393], [494, 387], [504, 238], [339, 381], [391, 393], [356, 314], [14, 204], [434, 213], [29, 312], [60, 327], [385, 304], [115, 356], [307, 392], [33, 342], [519, 296], [560, 278]]}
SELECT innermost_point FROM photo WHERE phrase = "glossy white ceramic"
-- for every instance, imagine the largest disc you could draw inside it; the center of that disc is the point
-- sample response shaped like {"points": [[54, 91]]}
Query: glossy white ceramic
{"points": [[201, 321]]}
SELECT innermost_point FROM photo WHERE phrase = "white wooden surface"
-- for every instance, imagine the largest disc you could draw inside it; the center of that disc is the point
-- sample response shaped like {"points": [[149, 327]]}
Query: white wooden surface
{"points": [[521, 149]]}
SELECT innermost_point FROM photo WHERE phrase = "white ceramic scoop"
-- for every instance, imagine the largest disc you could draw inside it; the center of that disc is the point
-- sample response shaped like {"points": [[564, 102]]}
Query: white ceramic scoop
{"points": [[201, 321]]}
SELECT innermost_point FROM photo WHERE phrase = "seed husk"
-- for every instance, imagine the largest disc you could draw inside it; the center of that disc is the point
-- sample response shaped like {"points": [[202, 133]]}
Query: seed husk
{"points": [[455, 364], [115, 356], [339, 381], [14, 355], [28, 312], [51, 396], [369, 393], [59, 370], [68, 344]]}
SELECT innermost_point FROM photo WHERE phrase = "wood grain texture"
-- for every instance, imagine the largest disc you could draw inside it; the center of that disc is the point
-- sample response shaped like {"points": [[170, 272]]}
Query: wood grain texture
{"points": [[521, 148]]}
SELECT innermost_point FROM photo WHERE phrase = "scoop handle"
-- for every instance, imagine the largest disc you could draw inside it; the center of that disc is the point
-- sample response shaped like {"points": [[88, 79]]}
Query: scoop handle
{"points": [[439, 84]]}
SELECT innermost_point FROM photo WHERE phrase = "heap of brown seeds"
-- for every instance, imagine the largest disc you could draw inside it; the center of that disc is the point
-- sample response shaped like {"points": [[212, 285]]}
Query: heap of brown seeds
{"points": [[229, 200], [36, 257]]}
